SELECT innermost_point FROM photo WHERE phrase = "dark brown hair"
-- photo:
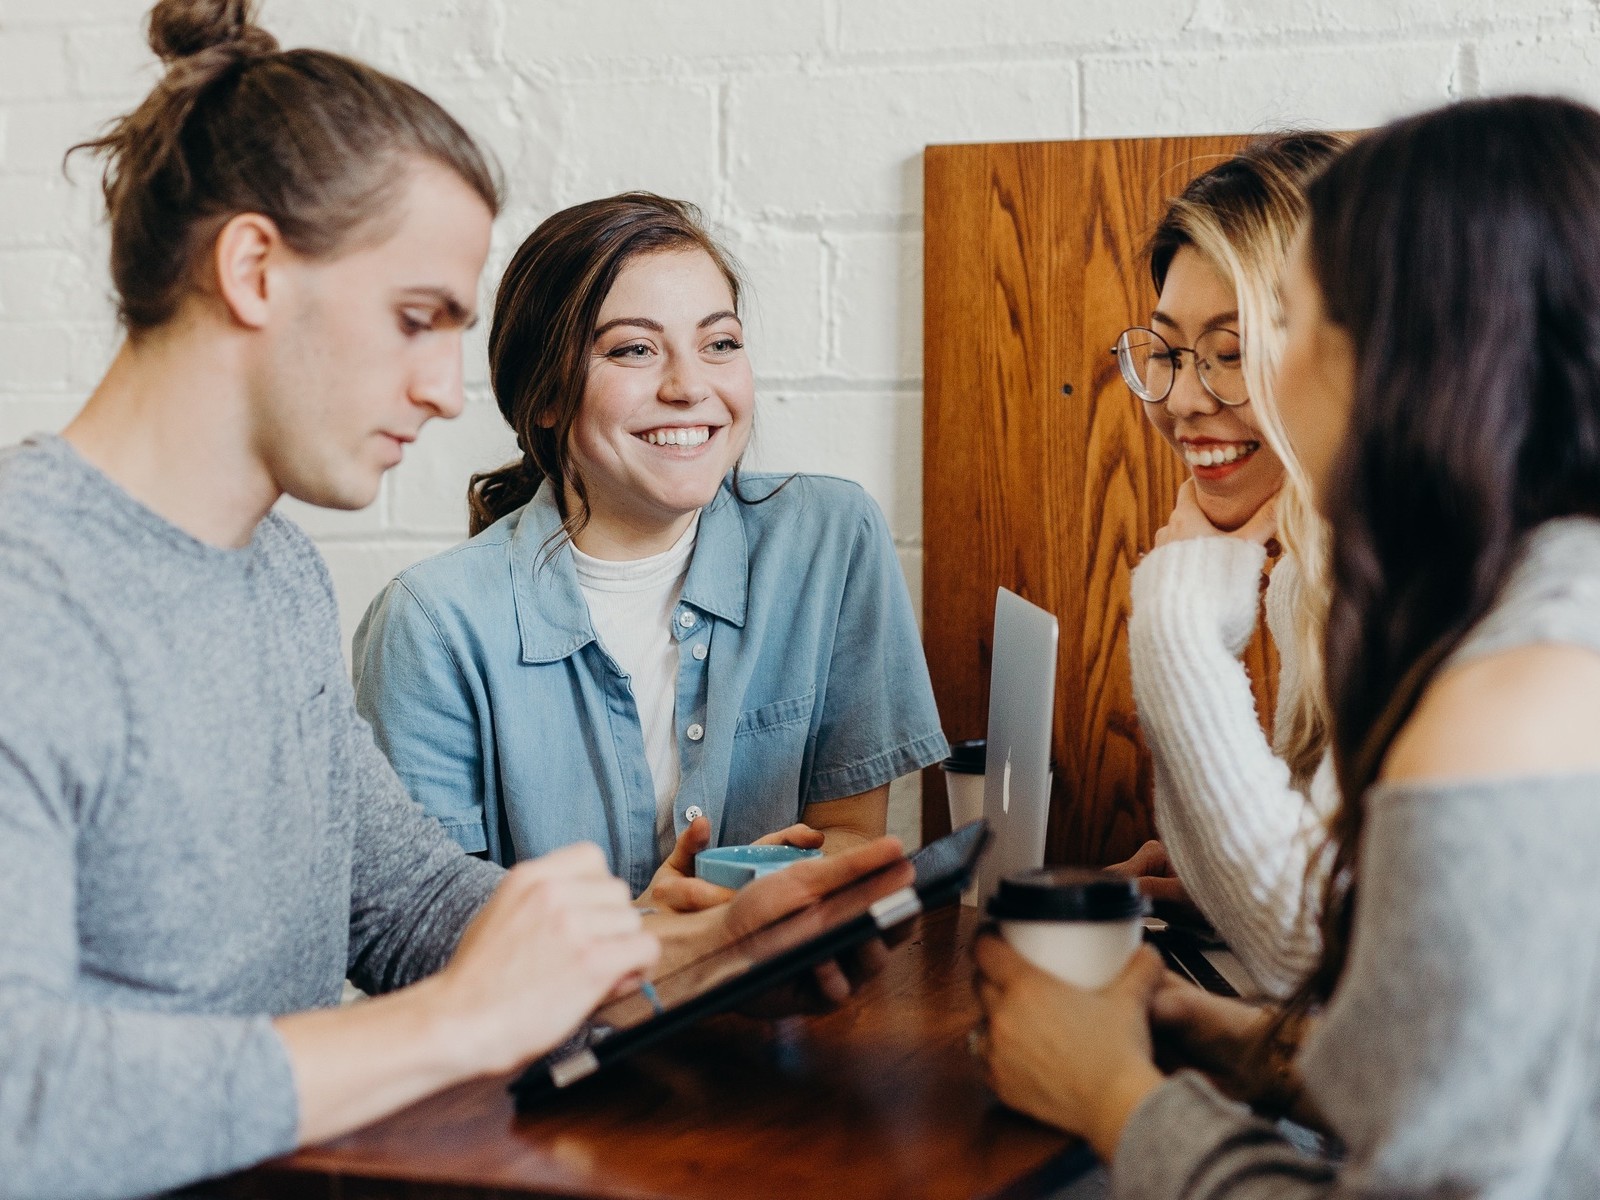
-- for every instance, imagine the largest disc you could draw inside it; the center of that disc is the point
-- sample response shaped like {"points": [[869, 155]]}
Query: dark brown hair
{"points": [[544, 318], [1460, 250], [314, 141]]}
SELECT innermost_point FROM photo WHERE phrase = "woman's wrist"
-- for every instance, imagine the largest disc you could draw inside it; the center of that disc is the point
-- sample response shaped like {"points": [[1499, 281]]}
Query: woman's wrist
{"points": [[1116, 1103]]}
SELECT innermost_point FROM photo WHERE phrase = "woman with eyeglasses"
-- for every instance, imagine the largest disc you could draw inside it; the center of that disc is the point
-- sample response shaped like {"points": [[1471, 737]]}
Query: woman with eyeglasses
{"points": [[1440, 381], [1237, 814]]}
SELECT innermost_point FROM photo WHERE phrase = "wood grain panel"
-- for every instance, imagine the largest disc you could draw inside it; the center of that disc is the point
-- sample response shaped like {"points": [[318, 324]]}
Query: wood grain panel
{"points": [[1040, 472]]}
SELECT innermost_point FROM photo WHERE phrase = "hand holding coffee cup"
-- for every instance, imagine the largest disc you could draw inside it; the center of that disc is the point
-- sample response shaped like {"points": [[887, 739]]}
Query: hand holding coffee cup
{"points": [[1081, 926]]}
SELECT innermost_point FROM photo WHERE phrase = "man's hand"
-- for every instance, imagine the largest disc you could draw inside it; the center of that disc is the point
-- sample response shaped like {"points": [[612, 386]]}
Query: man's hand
{"points": [[558, 936], [674, 887]]}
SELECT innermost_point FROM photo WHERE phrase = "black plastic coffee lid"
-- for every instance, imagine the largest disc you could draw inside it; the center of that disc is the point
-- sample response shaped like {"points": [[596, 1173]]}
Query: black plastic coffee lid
{"points": [[971, 757], [968, 758], [1067, 894]]}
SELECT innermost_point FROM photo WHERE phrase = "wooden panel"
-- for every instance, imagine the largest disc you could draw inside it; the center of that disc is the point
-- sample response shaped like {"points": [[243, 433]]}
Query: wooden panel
{"points": [[1040, 473]]}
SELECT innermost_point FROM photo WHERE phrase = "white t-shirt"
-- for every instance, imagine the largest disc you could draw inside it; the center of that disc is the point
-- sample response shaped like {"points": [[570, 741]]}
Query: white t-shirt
{"points": [[632, 605]]}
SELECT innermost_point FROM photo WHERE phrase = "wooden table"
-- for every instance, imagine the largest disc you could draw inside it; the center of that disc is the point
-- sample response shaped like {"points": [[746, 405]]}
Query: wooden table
{"points": [[880, 1099]]}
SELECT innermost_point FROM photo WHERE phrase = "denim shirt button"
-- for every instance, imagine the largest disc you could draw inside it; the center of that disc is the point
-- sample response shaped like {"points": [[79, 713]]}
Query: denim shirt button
{"points": [[696, 732], [686, 619], [692, 813], [700, 652]]}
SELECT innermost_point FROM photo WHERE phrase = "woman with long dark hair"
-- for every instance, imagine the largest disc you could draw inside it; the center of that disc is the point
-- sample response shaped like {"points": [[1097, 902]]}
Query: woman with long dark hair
{"points": [[1441, 384], [644, 646]]}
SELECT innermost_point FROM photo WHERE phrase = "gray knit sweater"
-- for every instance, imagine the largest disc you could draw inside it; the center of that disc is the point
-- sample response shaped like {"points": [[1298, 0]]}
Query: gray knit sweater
{"points": [[1460, 1055], [196, 833]]}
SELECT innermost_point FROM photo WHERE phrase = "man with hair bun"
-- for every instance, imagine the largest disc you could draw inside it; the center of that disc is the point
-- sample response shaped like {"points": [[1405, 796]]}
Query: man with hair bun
{"points": [[199, 840]]}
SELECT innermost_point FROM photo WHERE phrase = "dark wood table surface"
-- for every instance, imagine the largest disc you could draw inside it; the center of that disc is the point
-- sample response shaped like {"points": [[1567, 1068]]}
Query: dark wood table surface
{"points": [[880, 1099]]}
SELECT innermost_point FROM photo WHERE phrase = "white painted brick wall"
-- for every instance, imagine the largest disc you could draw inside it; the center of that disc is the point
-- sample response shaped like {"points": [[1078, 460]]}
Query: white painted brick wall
{"points": [[797, 124]]}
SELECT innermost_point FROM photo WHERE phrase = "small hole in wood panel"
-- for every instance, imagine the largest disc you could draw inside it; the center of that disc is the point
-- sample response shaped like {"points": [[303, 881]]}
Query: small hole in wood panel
{"points": [[1066, 389]]}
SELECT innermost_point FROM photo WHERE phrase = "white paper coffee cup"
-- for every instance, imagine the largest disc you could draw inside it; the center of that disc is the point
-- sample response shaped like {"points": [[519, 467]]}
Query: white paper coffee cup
{"points": [[964, 773], [1081, 926], [963, 784]]}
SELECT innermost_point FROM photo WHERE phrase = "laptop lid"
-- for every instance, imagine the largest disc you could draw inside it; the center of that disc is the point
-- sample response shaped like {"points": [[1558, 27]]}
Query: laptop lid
{"points": [[1022, 697]]}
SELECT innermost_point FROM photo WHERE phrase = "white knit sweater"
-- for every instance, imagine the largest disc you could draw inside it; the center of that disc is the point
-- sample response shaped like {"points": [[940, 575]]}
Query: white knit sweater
{"points": [[1239, 835]]}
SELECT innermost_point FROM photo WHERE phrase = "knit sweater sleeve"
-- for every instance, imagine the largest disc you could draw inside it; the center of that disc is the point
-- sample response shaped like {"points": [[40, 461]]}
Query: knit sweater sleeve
{"points": [[1457, 1057], [98, 1100], [1237, 831]]}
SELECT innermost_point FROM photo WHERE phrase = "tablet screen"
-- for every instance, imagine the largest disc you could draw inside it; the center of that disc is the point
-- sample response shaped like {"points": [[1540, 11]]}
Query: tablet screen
{"points": [[764, 945], [726, 976]]}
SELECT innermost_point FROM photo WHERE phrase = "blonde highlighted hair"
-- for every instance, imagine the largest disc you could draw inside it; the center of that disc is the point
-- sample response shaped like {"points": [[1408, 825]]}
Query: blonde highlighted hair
{"points": [[1241, 216]]}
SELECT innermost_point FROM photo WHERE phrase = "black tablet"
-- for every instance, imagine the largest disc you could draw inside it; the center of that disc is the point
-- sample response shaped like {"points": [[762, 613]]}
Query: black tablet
{"points": [[837, 922]]}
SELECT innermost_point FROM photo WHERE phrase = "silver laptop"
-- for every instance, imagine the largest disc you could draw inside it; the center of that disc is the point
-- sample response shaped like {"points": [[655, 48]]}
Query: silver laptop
{"points": [[1022, 698]]}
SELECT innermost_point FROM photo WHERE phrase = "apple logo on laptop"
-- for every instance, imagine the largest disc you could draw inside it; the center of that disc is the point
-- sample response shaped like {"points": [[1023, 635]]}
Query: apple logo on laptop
{"points": [[1005, 786]]}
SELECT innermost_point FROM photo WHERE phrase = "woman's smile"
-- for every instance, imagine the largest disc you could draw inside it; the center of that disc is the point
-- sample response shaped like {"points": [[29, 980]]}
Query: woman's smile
{"points": [[678, 437], [1213, 460]]}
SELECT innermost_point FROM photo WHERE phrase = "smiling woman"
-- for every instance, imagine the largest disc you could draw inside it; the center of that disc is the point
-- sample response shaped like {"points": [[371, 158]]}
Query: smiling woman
{"points": [[1239, 816], [642, 646]]}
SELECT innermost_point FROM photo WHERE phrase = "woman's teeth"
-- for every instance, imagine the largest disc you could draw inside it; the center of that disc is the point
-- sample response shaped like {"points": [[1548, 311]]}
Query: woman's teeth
{"points": [[697, 436], [1218, 454]]}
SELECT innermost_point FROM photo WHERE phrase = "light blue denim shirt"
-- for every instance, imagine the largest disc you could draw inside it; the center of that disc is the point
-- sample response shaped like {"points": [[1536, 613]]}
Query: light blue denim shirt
{"points": [[800, 679]]}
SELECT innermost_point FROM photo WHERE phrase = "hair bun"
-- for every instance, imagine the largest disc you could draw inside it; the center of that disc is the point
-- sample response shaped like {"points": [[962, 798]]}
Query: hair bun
{"points": [[182, 28]]}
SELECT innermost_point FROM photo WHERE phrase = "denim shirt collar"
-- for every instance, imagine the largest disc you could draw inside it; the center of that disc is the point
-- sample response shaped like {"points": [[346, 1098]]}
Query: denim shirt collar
{"points": [[553, 616]]}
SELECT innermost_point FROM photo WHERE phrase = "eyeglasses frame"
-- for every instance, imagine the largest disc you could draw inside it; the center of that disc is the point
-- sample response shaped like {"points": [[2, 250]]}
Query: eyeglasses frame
{"points": [[1177, 365]]}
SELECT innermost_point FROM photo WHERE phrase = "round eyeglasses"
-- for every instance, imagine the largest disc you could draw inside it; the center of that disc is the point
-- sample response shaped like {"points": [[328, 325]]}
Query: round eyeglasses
{"points": [[1150, 364]]}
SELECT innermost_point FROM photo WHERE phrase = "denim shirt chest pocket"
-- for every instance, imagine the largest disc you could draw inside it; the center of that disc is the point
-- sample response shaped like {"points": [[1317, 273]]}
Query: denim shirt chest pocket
{"points": [[769, 760]]}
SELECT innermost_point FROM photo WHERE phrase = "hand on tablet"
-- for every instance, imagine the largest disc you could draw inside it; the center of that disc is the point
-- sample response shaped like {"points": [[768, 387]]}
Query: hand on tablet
{"points": [[686, 937], [557, 937], [776, 895], [674, 886]]}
